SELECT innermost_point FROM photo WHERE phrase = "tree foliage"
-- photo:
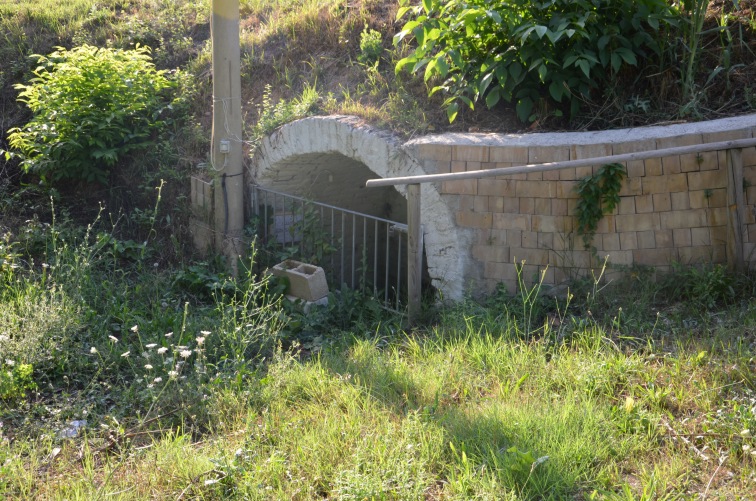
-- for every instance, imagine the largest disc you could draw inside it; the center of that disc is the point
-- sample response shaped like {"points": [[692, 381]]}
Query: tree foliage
{"points": [[521, 50]]}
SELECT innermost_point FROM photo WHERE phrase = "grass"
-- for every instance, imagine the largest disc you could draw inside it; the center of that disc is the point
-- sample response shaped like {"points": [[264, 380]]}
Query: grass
{"points": [[186, 384], [202, 392]]}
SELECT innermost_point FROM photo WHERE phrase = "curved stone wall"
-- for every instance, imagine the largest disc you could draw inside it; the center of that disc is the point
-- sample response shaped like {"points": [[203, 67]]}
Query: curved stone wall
{"points": [[672, 209], [329, 159]]}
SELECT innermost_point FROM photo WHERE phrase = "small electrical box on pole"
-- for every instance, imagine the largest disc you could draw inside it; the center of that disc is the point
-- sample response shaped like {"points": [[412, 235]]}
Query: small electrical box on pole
{"points": [[226, 144]]}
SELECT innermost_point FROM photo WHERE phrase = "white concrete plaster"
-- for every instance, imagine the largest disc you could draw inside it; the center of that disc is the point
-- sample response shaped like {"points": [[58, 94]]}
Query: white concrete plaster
{"points": [[323, 157], [591, 137]]}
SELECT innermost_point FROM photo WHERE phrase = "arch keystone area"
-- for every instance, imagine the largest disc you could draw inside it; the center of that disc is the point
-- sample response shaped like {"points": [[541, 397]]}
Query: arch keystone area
{"points": [[293, 151]]}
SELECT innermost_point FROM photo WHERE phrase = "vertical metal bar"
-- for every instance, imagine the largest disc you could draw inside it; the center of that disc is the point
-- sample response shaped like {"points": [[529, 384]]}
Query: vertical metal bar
{"points": [[398, 287], [302, 233], [363, 254], [341, 269], [415, 253], [332, 257], [388, 260], [354, 242], [375, 259]]}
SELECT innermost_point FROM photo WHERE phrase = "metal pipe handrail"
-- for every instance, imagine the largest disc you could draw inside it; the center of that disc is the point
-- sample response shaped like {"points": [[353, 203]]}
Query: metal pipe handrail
{"points": [[565, 164]]}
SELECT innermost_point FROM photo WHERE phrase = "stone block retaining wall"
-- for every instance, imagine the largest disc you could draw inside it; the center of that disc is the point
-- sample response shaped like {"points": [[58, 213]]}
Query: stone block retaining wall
{"points": [[672, 209]]}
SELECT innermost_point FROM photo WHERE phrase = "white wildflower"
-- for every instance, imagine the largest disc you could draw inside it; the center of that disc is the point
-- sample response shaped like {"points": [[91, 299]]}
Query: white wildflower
{"points": [[135, 328], [3, 337], [205, 333], [185, 353], [173, 374], [162, 350], [200, 341], [126, 354], [113, 338], [211, 481], [93, 350], [150, 346], [169, 334], [9, 362], [157, 380], [148, 367]]}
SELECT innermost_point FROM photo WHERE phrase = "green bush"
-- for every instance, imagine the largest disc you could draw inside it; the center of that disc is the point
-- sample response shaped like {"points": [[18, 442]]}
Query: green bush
{"points": [[520, 50], [90, 107]]}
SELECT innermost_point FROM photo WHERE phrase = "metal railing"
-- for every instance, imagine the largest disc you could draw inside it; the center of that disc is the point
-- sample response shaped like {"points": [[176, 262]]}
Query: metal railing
{"points": [[362, 252]]}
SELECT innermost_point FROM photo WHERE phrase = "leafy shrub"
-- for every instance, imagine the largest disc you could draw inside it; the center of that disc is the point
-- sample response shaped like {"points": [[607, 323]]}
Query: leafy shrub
{"points": [[517, 49], [90, 107], [371, 46]]}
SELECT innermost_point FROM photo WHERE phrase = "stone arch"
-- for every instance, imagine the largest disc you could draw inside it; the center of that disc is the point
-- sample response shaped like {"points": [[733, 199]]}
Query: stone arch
{"points": [[316, 142]]}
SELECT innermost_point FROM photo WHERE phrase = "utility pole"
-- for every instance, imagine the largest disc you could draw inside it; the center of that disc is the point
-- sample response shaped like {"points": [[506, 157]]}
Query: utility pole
{"points": [[226, 143]]}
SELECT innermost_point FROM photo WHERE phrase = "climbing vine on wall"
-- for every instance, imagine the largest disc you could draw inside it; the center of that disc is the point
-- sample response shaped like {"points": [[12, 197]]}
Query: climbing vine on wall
{"points": [[598, 196]]}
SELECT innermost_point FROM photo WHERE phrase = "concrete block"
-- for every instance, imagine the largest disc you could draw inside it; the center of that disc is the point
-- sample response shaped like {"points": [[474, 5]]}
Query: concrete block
{"points": [[644, 204], [306, 281], [566, 189], [546, 241], [470, 153], [749, 156], [663, 238], [707, 180], [548, 224], [646, 239], [700, 236], [433, 152], [461, 187], [631, 186], [558, 207], [469, 219], [534, 176], [529, 239], [671, 165], [511, 222], [717, 217], [654, 257], [542, 206], [628, 240], [567, 174], [527, 206], [610, 242], [653, 166], [644, 145], [683, 219], [535, 189], [718, 197], [662, 202], [636, 168], [481, 204], [543, 154], [531, 256], [681, 237], [517, 155], [680, 201], [637, 222], [496, 187], [551, 175]]}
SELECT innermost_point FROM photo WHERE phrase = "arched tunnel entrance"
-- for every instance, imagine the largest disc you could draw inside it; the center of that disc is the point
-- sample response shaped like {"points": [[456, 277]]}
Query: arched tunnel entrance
{"points": [[308, 189]]}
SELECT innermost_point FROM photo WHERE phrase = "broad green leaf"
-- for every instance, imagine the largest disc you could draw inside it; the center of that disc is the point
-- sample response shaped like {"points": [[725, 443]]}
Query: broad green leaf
{"points": [[442, 66], [427, 5], [524, 107], [584, 65], [493, 97], [540, 30], [420, 64], [451, 111], [556, 91], [484, 83], [429, 70]]}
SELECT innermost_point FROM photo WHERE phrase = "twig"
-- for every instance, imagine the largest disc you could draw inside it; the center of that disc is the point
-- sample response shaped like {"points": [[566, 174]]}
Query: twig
{"points": [[706, 491], [688, 443]]}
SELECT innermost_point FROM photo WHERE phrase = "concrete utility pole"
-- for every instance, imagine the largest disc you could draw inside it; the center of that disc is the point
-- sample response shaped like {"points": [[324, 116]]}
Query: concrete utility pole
{"points": [[226, 143]]}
